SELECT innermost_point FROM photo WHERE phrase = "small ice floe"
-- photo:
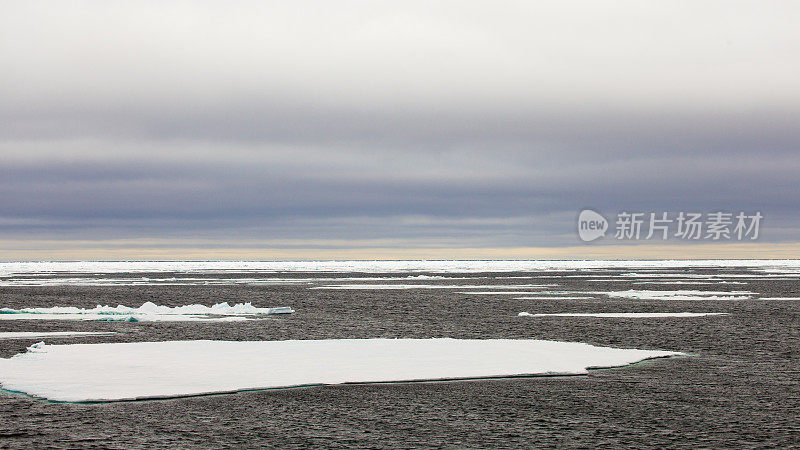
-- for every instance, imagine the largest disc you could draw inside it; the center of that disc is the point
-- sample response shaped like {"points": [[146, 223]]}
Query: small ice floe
{"points": [[552, 297], [669, 275], [498, 293], [148, 312], [433, 286], [143, 370], [606, 280], [680, 295], [52, 334], [36, 348], [279, 310], [628, 315], [690, 282]]}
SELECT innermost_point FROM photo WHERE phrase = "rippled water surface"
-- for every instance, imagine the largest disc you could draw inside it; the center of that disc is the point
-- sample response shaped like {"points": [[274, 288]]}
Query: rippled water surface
{"points": [[738, 388]]}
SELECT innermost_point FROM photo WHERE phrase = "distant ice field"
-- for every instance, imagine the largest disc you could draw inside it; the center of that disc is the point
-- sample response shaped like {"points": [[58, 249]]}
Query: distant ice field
{"points": [[774, 267], [210, 279]]}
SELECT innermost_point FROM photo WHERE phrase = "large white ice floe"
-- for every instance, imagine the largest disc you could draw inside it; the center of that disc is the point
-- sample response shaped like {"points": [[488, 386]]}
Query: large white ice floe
{"points": [[52, 334], [680, 295], [140, 370], [625, 315], [148, 312]]}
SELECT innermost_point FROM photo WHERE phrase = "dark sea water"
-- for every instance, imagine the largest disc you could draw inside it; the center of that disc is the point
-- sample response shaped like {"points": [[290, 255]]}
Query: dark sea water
{"points": [[740, 386]]}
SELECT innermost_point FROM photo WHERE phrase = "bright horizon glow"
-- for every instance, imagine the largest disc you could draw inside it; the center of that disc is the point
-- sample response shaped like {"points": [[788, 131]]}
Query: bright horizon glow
{"points": [[138, 250]]}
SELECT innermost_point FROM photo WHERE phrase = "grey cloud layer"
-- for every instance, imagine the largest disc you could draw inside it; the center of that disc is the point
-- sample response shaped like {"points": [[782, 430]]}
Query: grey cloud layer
{"points": [[482, 123]]}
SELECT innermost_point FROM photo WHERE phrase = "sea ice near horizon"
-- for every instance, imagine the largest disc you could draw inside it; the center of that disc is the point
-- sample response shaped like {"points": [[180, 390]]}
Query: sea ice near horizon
{"points": [[498, 293], [680, 295], [432, 286], [775, 266], [51, 334], [629, 315], [148, 312]]}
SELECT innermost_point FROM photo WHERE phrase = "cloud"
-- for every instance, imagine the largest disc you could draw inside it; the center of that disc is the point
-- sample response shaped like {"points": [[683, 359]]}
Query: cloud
{"points": [[466, 123]]}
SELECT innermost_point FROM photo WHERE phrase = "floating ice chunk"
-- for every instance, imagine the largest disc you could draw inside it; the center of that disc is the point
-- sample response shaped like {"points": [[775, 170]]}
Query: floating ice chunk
{"points": [[667, 275], [124, 317], [433, 286], [37, 347], [514, 277], [497, 293], [631, 315], [423, 277], [148, 312], [681, 295], [279, 310], [690, 282], [126, 371], [53, 334], [552, 297]]}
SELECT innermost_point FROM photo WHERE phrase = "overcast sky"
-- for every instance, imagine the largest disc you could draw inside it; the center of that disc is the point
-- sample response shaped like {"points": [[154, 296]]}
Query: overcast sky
{"points": [[387, 125]]}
